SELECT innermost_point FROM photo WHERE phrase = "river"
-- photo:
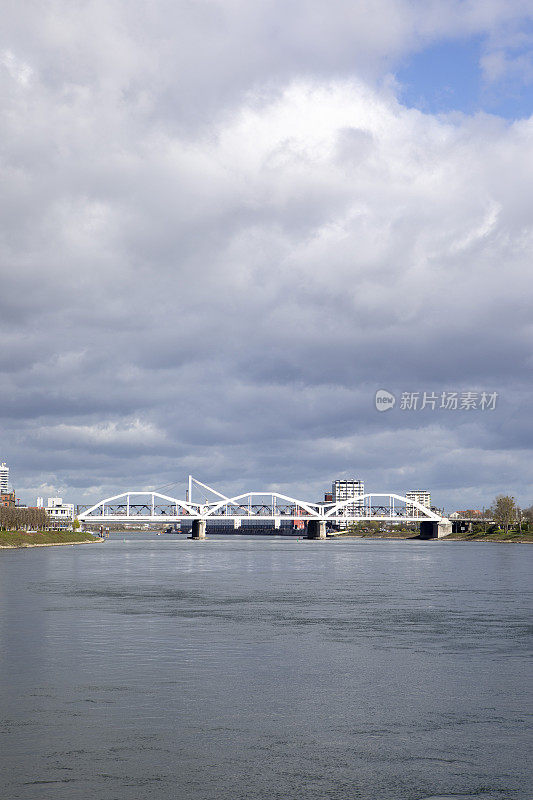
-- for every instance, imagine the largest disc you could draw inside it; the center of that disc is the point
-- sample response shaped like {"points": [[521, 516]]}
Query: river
{"points": [[265, 668]]}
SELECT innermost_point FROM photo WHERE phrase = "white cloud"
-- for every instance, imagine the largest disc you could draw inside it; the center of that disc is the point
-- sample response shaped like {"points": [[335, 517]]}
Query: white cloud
{"points": [[133, 435], [499, 64], [17, 69]]}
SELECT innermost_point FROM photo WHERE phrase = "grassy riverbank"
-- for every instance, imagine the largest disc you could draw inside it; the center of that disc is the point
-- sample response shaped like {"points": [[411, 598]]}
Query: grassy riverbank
{"points": [[24, 539], [478, 536], [499, 536]]}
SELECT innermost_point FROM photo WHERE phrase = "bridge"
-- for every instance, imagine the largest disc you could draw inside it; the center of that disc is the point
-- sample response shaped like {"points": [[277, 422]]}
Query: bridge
{"points": [[463, 523], [152, 507]]}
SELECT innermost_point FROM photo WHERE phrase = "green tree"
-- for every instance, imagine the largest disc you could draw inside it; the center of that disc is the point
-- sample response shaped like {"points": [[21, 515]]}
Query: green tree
{"points": [[505, 511]]}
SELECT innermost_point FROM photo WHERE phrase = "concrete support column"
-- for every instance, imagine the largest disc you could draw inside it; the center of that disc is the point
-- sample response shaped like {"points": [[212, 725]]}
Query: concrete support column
{"points": [[435, 530], [198, 528], [236, 523], [428, 529], [277, 523], [316, 529]]}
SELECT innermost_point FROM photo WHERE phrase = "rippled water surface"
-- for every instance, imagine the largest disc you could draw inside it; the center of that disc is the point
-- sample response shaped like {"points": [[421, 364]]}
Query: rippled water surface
{"points": [[157, 667]]}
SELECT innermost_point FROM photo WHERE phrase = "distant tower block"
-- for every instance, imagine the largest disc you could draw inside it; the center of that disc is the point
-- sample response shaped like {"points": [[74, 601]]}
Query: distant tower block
{"points": [[421, 496], [343, 489], [4, 478]]}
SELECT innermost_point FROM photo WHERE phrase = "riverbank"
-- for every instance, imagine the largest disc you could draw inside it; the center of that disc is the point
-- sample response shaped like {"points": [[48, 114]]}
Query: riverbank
{"points": [[11, 539], [397, 535], [511, 537]]}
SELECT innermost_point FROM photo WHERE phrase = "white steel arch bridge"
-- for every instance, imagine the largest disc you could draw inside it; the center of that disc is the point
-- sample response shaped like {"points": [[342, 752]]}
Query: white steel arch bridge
{"points": [[153, 507]]}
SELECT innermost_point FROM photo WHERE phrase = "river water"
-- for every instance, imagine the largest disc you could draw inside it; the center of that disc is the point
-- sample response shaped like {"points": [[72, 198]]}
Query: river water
{"points": [[155, 667]]}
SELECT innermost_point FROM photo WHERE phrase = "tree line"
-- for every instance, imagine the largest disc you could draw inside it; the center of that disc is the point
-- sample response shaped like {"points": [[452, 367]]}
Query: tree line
{"points": [[23, 519]]}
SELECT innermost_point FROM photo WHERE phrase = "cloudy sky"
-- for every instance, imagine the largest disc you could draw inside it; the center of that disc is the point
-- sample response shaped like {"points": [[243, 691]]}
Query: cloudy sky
{"points": [[227, 223]]}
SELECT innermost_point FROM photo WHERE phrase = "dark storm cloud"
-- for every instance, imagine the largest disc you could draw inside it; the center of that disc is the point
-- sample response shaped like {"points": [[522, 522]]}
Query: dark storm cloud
{"points": [[222, 233]]}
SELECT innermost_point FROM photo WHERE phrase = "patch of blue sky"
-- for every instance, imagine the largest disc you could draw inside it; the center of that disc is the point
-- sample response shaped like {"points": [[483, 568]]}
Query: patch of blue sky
{"points": [[448, 76]]}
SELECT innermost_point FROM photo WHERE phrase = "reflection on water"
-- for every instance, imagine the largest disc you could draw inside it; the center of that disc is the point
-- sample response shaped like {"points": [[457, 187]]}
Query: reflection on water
{"points": [[158, 667]]}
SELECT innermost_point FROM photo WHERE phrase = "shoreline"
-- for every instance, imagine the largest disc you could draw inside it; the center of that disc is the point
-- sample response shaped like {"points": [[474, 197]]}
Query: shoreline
{"points": [[47, 544], [450, 538], [18, 540]]}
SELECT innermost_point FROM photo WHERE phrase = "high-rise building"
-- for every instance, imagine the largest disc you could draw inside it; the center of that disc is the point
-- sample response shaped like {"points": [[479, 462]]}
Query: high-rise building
{"points": [[4, 478], [420, 496], [345, 489]]}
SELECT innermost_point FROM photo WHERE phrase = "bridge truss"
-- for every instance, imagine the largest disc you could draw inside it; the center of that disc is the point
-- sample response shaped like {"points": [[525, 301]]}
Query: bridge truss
{"points": [[153, 507]]}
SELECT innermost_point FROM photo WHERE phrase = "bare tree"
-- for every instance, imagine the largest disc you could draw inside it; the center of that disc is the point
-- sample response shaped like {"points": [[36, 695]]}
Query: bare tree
{"points": [[527, 514], [23, 519]]}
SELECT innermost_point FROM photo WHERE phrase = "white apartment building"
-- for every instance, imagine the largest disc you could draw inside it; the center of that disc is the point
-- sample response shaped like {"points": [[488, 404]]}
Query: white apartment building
{"points": [[344, 489], [4, 478], [420, 496], [57, 509]]}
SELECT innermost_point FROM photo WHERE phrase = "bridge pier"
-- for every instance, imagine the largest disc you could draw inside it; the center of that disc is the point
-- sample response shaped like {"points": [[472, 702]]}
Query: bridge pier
{"points": [[277, 523], [236, 523], [435, 530], [198, 529], [316, 529]]}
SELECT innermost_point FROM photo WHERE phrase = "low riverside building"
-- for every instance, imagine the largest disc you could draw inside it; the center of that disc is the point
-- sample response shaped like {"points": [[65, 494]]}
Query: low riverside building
{"points": [[61, 514], [7, 498]]}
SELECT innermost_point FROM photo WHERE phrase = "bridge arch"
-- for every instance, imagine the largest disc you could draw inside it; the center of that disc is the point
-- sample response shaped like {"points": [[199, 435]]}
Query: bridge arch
{"points": [[123, 501], [237, 501], [365, 500]]}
